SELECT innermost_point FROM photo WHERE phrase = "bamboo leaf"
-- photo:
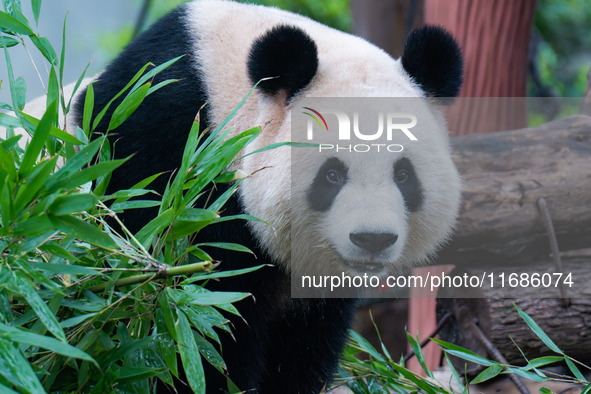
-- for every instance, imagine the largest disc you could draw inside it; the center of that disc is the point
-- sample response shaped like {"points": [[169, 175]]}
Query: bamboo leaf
{"points": [[128, 106], [46, 316], [8, 42], [15, 368], [538, 331], [83, 231], [45, 342], [45, 47], [489, 373], [70, 203], [190, 354], [8, 23], [36, 6], [38, 141]]}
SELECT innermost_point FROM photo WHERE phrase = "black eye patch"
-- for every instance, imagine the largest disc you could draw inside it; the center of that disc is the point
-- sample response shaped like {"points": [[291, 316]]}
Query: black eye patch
{"points": [[408, 183], [329, 180]]}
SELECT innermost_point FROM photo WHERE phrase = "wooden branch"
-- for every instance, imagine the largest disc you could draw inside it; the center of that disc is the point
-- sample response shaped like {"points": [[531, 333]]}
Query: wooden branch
{"points": [[504, 175]]}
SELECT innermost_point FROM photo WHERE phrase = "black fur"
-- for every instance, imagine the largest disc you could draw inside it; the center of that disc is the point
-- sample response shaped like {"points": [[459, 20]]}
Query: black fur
{"points": [[288, 55], [323, 192], [285, 346], [433, 59], [409, 185], [156, 133]]}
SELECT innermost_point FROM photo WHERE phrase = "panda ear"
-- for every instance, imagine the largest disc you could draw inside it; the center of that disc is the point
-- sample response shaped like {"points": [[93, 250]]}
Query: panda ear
{"points": [[287, 55], [433, 59]]}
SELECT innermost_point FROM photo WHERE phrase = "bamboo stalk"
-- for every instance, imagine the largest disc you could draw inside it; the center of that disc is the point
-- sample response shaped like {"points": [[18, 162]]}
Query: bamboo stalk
{"points": [[204, 266]]}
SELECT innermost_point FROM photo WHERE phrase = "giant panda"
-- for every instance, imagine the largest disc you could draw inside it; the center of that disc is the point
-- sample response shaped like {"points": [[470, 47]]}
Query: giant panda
{"points": [[284, 344]]}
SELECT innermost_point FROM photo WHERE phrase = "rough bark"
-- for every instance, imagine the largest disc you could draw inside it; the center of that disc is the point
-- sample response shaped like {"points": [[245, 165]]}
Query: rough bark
{"points": [[568, 325], [494, 36], [504, 175]]}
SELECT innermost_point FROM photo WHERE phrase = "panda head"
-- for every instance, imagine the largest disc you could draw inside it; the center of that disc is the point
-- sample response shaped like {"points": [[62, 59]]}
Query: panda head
{"points": [[351, 212]]}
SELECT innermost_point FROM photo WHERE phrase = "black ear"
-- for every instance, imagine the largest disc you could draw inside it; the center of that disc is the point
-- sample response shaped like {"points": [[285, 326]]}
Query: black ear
{"points": [[433, 59], [286, 53]]}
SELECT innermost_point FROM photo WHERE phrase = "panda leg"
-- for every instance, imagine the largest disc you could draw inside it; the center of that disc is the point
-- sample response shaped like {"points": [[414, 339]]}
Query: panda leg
{"points": [[305, 346]]}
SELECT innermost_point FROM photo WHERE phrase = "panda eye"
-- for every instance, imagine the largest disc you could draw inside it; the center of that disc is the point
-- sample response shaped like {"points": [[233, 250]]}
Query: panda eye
{"points": [[334, 176], [402, 175]]}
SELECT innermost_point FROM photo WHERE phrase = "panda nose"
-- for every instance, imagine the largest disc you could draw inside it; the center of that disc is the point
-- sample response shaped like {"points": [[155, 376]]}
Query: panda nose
{"points": [[373, 242]]}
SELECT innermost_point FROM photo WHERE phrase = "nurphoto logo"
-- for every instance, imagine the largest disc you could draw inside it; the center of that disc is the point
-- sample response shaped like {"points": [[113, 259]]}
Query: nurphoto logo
{"points": [[389, 124]]}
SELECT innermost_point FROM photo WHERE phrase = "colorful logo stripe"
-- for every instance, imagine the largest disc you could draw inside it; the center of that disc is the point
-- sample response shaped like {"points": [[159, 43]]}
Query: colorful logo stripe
{"points": [[315, 118]]}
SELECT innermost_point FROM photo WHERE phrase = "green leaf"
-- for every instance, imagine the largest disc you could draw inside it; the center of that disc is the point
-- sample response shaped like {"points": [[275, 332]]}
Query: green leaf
{"points": [[57, 133], [9, 121], [45, 342], [74, 321], [9, 23], [21, 92], [53, 92], [221, 274], [538, 331], [213, 298], [462, 353], [418, 351], [454, 373], [228, 246], [210, 353], [15, 368], [8, 42], [489, 373], [88, 107], [36, 6], [153, 72], [86, 175], [38, 141], [101, 114], [135, 204], [41, 309], [6, 390], [543, 361], [79, 160], [190, 355], [167, 314], [45, 47], [76, 86], [366, 346], [425, 385], [64, 269], [69, 203], [54, 249], [128, 106], [574, 369], [154, 227], [63, 53], [34, 225], [84, 231], [524, 374], [32, 184]]}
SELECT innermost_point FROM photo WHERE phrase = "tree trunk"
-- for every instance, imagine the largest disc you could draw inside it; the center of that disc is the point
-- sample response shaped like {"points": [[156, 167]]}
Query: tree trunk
{"points": [[386, 23], [568, 325], [494, 36]]}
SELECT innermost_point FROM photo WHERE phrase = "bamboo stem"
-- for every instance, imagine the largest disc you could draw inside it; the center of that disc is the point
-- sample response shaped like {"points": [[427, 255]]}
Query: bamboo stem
{"points": [[204, 266]]}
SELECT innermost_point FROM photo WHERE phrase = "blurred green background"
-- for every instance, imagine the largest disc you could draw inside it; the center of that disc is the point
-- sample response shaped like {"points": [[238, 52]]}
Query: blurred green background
{"points": [[560, 50]]}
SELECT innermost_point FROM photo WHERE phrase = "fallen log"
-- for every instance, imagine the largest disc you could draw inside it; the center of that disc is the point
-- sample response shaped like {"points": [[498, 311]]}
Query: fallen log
{"points": [[492, 309], [505, 174]]}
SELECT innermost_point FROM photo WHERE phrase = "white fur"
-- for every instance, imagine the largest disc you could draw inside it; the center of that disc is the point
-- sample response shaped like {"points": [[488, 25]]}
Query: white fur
{"points": [[348, 67]]}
